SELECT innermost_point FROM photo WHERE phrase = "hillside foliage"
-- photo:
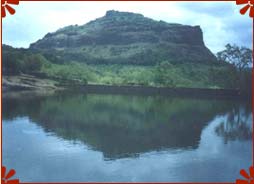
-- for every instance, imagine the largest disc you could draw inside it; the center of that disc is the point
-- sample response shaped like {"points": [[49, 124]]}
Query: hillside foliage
{"points": [[163, 74]]}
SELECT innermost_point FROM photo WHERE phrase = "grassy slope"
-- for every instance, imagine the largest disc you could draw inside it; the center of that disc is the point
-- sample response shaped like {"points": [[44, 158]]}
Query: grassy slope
{"points": [[168, 73], [165, 75]]}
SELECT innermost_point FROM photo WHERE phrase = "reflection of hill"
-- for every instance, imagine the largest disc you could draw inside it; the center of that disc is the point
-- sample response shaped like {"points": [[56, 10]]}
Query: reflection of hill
{"points": [[117, 125]]}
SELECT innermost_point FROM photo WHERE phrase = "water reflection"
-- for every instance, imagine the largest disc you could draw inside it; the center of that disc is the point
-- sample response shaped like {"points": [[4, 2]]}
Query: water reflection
{"points": [[236, 125], [116, 138], [126, 126]]}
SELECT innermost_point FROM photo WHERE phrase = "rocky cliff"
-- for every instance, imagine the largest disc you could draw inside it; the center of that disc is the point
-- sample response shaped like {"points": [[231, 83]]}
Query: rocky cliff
{"points": [[125, 38]]}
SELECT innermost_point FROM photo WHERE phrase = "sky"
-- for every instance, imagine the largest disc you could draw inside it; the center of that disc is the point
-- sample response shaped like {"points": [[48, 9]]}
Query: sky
{"points": [[220, 22]]}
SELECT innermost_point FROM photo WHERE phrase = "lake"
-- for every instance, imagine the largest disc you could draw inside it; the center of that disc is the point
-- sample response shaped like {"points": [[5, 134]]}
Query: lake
{"points": [[101, 137]]}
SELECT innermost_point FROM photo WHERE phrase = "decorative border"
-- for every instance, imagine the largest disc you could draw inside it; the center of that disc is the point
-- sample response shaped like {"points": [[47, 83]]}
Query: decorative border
{"points": [[249, 6], [7, 176], [249, 179], [5, 6]]}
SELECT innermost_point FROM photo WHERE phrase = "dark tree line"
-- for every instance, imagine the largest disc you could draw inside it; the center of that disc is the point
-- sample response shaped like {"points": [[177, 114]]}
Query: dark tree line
{"points": [[16, 61]]}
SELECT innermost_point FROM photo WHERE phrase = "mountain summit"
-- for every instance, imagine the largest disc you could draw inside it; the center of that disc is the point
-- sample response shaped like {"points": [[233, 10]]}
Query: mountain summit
{"points": [[126, 38]]}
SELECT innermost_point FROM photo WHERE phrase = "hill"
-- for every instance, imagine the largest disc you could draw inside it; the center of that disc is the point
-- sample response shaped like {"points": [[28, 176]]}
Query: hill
{"points": [[126, 38], [122, 48]]}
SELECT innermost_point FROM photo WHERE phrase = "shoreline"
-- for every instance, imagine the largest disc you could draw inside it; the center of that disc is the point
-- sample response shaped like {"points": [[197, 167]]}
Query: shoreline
{"points": [[34, 84], [163, 91]]}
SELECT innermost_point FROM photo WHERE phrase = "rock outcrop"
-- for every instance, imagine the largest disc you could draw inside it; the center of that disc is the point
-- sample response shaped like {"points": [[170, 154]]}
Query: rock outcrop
{"points": [[126, 38]]}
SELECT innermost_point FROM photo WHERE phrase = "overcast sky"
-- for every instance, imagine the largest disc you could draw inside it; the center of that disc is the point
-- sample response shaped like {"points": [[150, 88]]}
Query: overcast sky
{"points": [[221, 22]]}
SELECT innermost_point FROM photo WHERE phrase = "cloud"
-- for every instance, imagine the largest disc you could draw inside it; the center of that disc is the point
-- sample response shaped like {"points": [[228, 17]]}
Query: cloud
{"points": [[221, 22]]}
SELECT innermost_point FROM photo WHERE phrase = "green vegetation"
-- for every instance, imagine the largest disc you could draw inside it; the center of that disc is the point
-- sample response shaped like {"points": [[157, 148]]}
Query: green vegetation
{"points": [[17, 61], [164, 74]]}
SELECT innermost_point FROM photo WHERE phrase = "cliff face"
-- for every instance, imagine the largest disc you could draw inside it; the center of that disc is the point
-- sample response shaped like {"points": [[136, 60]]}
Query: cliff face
{"points": [[126, 38]]}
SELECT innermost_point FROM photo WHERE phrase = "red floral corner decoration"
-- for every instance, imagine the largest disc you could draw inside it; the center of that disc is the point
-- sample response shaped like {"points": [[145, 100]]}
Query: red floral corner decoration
{"points": [[249, 179], [248, 5], [5, 177], [6, 6]]}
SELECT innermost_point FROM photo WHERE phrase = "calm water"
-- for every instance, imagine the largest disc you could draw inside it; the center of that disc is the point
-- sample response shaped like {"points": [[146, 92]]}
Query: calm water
{"points": [[79, 137]]}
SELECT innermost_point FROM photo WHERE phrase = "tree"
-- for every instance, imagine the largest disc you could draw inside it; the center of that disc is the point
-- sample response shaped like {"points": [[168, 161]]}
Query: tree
{"points": [[240, 57], [12, 64], [16, 61], [33, 62], [162, 76]]}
